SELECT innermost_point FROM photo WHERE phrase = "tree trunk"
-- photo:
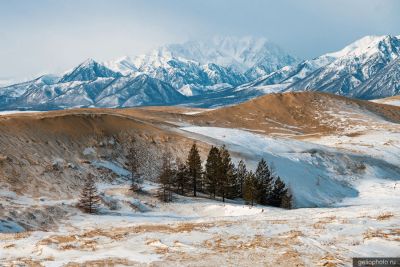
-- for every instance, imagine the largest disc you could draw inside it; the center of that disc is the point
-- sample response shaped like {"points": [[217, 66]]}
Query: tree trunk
{"points": [[194, 184]]}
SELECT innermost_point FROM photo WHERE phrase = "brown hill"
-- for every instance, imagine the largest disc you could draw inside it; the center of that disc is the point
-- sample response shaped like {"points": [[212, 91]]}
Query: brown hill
{"points": [[298, 113]]}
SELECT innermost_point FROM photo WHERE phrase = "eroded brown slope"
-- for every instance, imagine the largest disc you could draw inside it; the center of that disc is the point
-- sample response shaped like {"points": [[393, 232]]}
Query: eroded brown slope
{"points": [[44, 153]]}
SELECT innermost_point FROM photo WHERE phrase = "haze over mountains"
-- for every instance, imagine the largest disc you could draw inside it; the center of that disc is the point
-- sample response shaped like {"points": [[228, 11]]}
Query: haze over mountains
{"points": [[217, 72]]}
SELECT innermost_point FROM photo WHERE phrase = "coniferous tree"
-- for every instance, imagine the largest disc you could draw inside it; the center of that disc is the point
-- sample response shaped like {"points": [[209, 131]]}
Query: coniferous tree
{"points": [[212, 171], [250, 188], [132, 161], [278, 192], [287, 200], [241, 173], [182, 179], [265, 182], [166, 179], [226, 184], [194, 168], [89, 200]]}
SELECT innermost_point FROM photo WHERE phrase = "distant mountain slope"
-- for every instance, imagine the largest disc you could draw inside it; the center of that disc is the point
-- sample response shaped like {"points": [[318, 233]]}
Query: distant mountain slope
{"points": [[354, 65], [385, 83], [90, 84], [228, 60], [141, 90], [88, 71]]}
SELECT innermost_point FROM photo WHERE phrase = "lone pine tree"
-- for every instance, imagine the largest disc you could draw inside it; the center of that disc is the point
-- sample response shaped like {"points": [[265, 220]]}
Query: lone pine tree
{"points": [[226, 183], [265, 181], [194, 168], [182, 179], [89, 201], [212, 171], [241, 173], [250, 189], [166, 179]]}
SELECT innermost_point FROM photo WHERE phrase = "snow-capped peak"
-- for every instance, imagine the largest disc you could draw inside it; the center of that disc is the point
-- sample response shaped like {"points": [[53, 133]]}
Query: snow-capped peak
{"points": [[239, 53], [123, 65], [88, 62], [367, 45], [89, 70]]}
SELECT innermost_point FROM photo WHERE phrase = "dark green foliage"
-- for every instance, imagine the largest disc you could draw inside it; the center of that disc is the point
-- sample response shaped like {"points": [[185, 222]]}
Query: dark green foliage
{"points": [[182, 179], [212, 171], [89, 201], [166, 179], [227, 180], [241, 173], [194, 168], [250, 189], [264, 188], [278, 192], [265, 182]]}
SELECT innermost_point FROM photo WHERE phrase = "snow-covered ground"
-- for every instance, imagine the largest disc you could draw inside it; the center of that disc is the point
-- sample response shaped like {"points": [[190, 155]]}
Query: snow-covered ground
{"points": [[202, 232], [10, 112], [388, 101]]}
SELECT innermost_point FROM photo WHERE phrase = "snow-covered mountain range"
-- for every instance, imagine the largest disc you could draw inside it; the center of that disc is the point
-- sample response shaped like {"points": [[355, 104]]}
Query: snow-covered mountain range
{"points": [[216, 72], [354, 67]]}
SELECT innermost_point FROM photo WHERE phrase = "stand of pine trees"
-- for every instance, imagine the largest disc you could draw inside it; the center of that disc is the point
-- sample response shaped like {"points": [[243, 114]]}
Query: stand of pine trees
{"points": [[221, 178], [265, 188]]}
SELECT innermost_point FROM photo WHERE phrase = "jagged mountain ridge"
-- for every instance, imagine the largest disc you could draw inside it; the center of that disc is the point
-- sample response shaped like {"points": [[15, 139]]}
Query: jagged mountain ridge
{"points": [[89, 70], [88, 85], [201, 65], [367, 68]]}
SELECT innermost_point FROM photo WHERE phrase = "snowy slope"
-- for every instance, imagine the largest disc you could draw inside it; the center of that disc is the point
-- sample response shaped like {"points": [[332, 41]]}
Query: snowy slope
{"points": [[181, 72], [138, 91], [385, 83]]}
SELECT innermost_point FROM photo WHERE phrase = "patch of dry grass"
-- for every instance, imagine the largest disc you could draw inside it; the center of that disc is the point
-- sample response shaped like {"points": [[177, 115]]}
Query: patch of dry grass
{"points": [[384, 216], [106, 262], [388, 234]]}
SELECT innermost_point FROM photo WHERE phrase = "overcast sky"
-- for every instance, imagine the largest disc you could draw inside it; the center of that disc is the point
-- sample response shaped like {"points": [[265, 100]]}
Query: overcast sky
{"points": [[50, 36]]}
